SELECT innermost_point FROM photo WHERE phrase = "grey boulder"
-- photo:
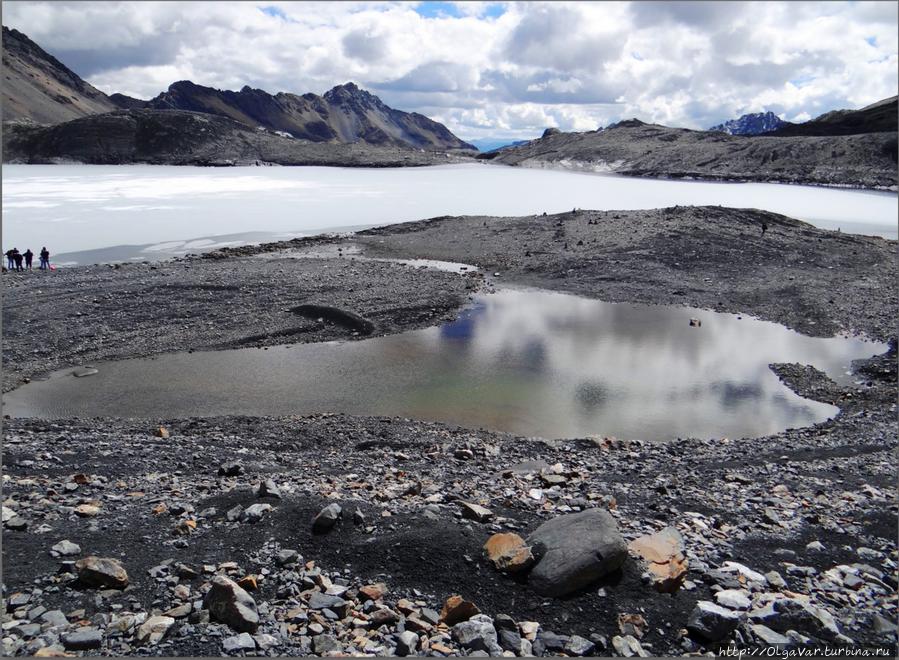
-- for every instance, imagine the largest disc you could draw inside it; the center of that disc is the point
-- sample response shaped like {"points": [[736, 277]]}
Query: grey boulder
{"points": [[574, 550], [477, 634], [712, 622], [228, 603]]}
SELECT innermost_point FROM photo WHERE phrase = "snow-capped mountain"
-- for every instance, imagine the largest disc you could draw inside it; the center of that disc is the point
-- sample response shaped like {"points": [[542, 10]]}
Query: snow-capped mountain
{"points": [[752, 124]]}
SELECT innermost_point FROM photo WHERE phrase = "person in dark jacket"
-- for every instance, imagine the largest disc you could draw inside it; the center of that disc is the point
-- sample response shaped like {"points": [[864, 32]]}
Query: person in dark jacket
{"points": [[29, 255], [45, 259], [10, 259], [18, 258]]}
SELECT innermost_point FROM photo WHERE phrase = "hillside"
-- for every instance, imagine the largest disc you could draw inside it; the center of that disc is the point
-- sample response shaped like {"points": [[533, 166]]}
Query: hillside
{"points": [[40, 88], [634, 148], [880, 117], [177, 137]]}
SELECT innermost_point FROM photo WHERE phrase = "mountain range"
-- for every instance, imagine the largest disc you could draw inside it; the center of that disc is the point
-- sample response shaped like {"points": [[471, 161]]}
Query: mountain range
{"points": [[40, 88], [635, 148]]}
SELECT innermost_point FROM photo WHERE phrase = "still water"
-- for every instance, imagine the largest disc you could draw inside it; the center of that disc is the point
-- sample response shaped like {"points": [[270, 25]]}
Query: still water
{"points": [[530, 362], [97, 213]]}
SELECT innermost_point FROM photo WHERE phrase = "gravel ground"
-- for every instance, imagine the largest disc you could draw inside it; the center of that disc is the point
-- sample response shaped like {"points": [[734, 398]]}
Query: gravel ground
{"points": [[808, 515], [75, 316], [816, 281]]}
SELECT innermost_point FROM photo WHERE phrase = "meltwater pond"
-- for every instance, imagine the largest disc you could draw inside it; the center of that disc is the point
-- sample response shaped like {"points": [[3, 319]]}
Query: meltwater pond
{"points": [[530, 362]]}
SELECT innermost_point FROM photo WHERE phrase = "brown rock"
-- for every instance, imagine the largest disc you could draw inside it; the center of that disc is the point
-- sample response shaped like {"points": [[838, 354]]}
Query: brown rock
{"points": [[102, 572], [372, 591], [632, 624], [87, 510], [249, 583], [161, 432], [456, 609], [508, 553], [184, 527], [663, 553]]}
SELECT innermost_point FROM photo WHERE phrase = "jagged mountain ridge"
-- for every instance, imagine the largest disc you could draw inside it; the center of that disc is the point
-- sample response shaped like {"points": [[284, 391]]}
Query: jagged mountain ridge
{"points": [[345, 113], [180, 137], [754, 123], [40, 88]]}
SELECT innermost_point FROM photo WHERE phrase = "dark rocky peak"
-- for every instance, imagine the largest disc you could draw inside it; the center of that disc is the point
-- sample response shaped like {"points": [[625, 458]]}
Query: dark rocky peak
{"points": [[350, 93], [627, 123], [551, 131]]}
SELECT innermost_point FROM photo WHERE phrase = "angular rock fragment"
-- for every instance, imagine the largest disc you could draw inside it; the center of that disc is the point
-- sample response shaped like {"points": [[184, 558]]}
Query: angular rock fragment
{"points": [[509, 553], [101, 572], [154, 629], [326, 518], [456, 609], [663, 554], [269, 488], [712, 622], [230, 604], [477, 634], [475, 512], [66, 548]]}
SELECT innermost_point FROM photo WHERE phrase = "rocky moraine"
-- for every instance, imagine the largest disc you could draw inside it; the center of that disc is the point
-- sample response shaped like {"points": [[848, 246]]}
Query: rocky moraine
{"points": [[330, 534]]}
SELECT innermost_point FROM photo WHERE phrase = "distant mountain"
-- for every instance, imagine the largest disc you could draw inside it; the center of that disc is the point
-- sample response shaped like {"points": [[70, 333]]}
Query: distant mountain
{"points": [[637, 149], [346, 113], [487, 145], [40, 88], [880, 117], [751, 124]]}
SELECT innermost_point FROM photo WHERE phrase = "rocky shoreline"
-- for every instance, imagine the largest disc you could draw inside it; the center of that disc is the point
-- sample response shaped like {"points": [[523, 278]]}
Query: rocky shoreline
{"points": [[787, 539]]}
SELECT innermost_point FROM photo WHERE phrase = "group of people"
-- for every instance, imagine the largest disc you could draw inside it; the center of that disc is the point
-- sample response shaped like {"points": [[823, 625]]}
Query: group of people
{"points": [[14, 259]]}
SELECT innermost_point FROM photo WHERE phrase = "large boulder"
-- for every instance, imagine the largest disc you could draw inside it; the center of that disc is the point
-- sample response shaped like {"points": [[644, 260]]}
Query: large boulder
{"points": [[229, 603], [574, 550], [101, 572]]}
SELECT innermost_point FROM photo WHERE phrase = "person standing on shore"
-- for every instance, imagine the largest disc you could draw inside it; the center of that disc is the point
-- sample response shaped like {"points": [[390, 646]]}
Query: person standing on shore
{"points": [[18, 258], [10, 259], [45, 258], [29, 255]]}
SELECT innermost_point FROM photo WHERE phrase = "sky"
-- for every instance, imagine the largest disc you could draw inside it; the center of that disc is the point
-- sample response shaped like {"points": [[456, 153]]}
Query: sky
{"points": [[503, 70]]}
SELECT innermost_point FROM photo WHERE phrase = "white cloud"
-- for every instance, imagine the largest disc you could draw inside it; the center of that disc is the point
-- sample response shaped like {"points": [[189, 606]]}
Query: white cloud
{"points": [[505, 69]]}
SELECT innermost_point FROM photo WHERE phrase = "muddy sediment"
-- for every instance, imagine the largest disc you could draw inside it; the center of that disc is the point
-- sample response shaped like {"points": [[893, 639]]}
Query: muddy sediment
{"points": [[816, 506]]}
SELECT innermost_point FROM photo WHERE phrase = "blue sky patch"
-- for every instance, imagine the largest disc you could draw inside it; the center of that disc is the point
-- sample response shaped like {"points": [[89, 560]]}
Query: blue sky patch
{"points": [[872, 41], [434, 9], [276, 12]]}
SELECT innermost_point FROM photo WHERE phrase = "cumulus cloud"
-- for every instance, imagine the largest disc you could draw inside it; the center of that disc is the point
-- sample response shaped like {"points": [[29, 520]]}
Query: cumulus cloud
{"points": [[494, 69]]}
